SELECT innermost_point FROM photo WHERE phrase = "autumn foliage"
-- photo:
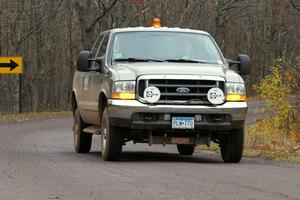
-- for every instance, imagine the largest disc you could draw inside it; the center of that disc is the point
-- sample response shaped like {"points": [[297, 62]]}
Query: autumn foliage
{"points": [[278, 130]]}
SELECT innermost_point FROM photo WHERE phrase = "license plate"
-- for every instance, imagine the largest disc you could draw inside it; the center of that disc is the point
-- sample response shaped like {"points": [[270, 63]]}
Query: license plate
{"points": [[183, 122]]}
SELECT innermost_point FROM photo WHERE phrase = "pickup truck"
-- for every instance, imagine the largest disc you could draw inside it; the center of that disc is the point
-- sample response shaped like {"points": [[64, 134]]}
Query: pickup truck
{"points": [[159, 85]]}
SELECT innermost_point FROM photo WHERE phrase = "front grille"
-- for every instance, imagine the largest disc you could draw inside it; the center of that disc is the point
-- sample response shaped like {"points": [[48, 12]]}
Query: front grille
{"points": [[169, 95]]}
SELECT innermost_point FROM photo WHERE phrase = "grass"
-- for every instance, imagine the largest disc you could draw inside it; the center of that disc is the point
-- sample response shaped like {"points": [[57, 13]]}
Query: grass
{"points": [[271, 144], [266, 146], [33, 116]]}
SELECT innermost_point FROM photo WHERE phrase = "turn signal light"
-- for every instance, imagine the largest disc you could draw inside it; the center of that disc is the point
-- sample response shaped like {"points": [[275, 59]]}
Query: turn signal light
{"points": [[123, 95], [235, 97], [156, 23]]}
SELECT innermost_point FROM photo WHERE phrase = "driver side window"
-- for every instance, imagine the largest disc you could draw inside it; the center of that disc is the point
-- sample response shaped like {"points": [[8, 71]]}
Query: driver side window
{"points": [[103, 46], [99, 48], [96, 45]]}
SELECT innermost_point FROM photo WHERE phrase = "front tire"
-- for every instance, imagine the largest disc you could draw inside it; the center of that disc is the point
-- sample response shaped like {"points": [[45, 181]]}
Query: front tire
{"points": [[82, 141], [111, 140], [185, 149], [232, 146]]}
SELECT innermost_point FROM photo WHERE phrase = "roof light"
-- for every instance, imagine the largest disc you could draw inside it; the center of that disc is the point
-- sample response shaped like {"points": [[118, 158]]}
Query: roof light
{"points": [[156, 23]]}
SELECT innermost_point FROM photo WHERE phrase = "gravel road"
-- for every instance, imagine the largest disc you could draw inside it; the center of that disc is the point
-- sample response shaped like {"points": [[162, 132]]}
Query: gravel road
{"points": [[37, 162]]}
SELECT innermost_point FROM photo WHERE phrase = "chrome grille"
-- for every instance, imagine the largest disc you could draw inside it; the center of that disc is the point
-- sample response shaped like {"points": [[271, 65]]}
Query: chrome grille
{"points": [[197, 94]]}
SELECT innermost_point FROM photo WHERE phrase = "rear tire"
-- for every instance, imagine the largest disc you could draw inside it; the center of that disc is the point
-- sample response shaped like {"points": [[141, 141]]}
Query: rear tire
{"points": [[232, 146], [111, 140], [185, 149], [82, 141]]}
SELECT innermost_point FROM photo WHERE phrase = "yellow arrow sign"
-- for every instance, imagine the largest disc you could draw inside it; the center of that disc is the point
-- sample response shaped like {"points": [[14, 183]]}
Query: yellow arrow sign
{"points": [[11, 65]]}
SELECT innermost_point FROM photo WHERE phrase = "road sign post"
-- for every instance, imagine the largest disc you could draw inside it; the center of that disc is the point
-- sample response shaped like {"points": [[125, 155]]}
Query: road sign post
{"points": [[13, 65]]}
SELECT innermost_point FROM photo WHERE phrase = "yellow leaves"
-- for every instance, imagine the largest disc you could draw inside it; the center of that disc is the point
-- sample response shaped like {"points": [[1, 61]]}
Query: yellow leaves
{"points": [[277, 135], [293, 137], [295, 133], [275, 88]]}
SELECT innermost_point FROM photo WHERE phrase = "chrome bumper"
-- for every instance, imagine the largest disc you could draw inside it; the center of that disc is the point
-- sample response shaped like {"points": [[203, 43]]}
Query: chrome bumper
{"points": [[122, 111]]}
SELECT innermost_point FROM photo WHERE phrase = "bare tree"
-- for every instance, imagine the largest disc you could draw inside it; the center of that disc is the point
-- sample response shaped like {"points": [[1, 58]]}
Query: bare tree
{"points": [[49, 35]]}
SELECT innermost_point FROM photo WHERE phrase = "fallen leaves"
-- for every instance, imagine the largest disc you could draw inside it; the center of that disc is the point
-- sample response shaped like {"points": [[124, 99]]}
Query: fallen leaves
{"points": [[34, 115]]}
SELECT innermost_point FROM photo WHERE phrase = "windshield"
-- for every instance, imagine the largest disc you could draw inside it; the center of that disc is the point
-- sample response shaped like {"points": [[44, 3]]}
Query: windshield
{"points": [[162, 46]]}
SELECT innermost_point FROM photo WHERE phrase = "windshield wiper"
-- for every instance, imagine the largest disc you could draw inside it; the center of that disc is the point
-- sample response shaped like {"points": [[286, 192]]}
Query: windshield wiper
{"points": [[182, 60], [136, 60]]}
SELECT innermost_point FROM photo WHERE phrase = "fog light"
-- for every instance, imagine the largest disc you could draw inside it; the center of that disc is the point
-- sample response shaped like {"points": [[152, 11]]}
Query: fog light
{"points": [[198, 118], [167, 117]]}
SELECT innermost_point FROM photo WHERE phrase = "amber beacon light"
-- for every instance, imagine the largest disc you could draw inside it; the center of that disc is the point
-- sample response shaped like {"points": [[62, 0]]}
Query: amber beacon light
{"points": [[156, 22]]}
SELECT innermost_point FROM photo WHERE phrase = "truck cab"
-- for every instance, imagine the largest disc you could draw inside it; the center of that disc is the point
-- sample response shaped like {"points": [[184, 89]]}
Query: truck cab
{"points": [[159, 85]]}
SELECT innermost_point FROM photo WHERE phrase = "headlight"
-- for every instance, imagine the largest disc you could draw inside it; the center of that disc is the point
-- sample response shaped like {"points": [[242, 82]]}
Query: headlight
{"points": [[123, 90], [235, 92]]}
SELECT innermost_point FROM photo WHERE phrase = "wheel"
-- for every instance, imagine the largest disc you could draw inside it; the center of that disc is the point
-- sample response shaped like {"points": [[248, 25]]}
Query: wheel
{"points": [[185, 149], [232, 146], [82, 140], [111, 140]]}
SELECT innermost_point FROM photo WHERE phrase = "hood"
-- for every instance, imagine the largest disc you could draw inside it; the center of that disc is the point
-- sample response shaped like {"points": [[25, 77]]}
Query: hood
{"points": [[130, 71]]}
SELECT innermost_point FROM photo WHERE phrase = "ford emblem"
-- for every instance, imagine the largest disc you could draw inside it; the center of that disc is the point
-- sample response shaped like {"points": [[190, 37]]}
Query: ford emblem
{"points": [[183, 90]]}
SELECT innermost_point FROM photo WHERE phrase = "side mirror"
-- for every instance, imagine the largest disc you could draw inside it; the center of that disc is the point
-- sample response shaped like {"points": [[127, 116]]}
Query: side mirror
{"points": [[231, 62], [99, 64], [243, 62], [83, 61]]}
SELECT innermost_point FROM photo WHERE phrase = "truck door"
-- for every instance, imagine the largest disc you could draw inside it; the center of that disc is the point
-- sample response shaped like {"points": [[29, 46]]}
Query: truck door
{"points": [[95, 82], [85, 103]]}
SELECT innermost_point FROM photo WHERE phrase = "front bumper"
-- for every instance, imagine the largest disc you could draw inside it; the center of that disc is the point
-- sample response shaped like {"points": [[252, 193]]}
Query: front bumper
{"points": [[131, 114]]}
